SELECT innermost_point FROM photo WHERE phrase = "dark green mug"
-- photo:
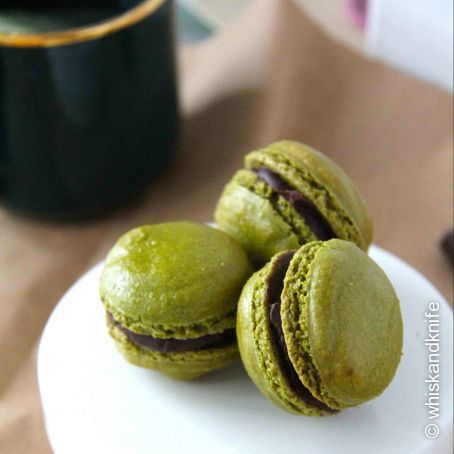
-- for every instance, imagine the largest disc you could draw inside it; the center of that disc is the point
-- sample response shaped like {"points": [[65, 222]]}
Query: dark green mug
{"points": [[88, 114]]}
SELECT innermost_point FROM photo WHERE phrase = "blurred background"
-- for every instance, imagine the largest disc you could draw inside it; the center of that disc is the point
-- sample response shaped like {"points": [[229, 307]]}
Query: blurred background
{"points": [[368, 82], [398, 32]]}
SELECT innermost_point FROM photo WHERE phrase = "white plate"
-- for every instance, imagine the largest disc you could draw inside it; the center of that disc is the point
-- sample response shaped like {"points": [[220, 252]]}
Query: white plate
{"points": [[95, 402]]}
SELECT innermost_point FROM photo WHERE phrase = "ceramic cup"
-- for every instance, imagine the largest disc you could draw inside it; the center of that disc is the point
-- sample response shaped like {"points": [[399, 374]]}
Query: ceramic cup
{"points": [[88, 114]]}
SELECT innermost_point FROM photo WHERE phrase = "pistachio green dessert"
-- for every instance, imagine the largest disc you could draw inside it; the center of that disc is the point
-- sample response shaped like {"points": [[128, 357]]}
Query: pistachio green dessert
{"points": [[170, 292], [320, 329], [289, 194]]}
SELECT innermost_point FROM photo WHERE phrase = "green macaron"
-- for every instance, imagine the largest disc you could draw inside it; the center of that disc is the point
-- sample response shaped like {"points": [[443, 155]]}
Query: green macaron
{"points": [[289, 194], [170, 292], [320, 329]]}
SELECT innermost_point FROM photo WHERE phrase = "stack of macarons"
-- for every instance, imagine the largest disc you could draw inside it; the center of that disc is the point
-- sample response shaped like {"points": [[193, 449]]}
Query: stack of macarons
{"points": [[318, 325]]}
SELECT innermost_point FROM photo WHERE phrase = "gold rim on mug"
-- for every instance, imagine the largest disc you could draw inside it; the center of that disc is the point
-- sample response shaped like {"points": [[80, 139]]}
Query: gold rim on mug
{"points": [[80, 34]]}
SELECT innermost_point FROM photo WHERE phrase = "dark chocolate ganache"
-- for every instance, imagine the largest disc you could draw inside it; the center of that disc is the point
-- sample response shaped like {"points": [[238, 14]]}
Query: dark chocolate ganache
{"points": [[177, 345], [275, 284], [304, 207]]}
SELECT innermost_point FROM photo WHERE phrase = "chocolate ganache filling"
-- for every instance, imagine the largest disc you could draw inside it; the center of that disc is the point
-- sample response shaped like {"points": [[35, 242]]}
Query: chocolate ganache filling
{"points": [[304, 207], [177, 345], [275, 285]]}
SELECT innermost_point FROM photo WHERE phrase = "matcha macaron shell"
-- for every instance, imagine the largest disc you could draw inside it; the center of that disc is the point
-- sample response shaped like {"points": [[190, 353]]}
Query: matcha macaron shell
{"points": [[173, 282], [265, 220], [340, 323], [180, 365], [259, 351]]}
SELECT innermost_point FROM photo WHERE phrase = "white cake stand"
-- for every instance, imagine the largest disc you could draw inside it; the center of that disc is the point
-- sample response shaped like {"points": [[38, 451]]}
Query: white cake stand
{"points": [[95, 402]]}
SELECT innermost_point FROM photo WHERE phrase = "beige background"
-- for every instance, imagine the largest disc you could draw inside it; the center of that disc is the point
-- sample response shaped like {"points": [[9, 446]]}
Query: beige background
{"points": [[272, 74], [330, 14]]}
